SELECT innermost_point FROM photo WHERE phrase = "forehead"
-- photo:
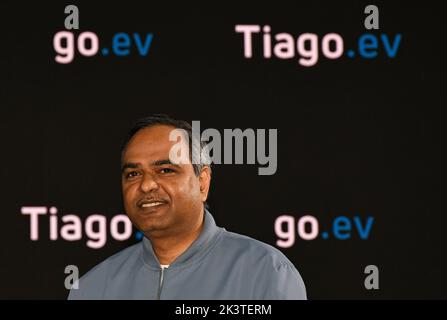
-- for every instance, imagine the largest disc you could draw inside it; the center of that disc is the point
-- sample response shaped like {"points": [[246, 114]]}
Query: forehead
{"points": [[150, 144], [150, 141]]}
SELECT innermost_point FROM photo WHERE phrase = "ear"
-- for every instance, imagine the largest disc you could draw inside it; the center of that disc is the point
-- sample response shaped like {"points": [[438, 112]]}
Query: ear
{"points": [[205, 181]]}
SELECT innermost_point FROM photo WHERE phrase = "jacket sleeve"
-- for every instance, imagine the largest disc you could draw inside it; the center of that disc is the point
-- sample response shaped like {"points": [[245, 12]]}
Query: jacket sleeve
{"points": [[285, 283]]}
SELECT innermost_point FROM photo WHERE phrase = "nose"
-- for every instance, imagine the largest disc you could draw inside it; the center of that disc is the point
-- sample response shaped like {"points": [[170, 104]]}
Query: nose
{"points": [[148, 183]]}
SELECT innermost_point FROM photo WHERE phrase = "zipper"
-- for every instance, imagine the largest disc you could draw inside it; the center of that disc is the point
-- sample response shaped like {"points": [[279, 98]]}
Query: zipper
{"points": [[160, 282]]}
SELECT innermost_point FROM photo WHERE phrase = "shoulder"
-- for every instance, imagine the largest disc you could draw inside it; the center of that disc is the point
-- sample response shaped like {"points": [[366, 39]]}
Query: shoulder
{"points": [[275, 275], [254, 248], [92, 285]]}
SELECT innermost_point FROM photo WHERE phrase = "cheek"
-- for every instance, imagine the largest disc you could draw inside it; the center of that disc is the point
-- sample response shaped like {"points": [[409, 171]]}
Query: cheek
{"points": [[128, 194], [184, 190]]}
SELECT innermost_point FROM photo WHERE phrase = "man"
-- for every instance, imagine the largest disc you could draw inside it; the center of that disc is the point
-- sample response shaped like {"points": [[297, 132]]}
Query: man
{"points": [[183, 255]]}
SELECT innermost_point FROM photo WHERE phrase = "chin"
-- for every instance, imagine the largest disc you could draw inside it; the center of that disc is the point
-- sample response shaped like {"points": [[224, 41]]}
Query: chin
{"points": [[153, 226]]}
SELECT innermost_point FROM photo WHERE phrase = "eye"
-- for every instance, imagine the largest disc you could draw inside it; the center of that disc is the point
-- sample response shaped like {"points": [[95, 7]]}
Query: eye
{"points": [[131, 174], [166, 170]]}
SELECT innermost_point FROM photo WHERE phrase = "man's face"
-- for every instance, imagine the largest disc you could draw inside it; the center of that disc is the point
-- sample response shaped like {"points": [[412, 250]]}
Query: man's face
{"points": [[161, 198]]}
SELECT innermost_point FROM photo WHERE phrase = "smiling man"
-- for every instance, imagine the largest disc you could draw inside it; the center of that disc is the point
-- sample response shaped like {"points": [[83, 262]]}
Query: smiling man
{"points": [[184, 254]]}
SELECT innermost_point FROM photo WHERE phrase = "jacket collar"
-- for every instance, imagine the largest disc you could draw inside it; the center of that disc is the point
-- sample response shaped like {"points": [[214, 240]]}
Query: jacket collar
{"points": [[195, 252]]}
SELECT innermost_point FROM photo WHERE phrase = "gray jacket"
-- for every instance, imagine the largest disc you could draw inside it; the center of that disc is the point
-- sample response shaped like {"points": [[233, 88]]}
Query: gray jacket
{"points": [[218, 265]]}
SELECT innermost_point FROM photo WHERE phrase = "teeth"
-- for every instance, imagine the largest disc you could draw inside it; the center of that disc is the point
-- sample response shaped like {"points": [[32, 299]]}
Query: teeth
{"points": [[152, 204]]}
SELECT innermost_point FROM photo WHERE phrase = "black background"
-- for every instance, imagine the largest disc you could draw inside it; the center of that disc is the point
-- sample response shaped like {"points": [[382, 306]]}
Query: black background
{"points": [[355, 136]]}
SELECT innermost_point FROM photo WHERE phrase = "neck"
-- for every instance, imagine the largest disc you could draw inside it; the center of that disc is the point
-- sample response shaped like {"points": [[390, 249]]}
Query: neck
{"points": [[169, 247]]}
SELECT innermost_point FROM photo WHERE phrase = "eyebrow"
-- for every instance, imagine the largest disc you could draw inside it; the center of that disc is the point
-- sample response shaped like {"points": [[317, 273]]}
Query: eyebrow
{"points": [[163, 162], [129, 165], [156, 163]]}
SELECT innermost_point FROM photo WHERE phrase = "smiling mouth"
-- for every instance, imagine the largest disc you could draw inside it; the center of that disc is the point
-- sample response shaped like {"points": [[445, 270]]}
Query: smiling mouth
{"points": [[151, 204]]}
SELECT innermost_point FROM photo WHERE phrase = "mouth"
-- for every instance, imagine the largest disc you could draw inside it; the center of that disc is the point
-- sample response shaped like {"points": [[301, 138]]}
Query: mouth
{"points": [[150, 203]]}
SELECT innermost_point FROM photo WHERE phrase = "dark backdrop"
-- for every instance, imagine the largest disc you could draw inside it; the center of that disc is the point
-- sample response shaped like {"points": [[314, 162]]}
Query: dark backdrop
{"points": [[357, 137]]}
